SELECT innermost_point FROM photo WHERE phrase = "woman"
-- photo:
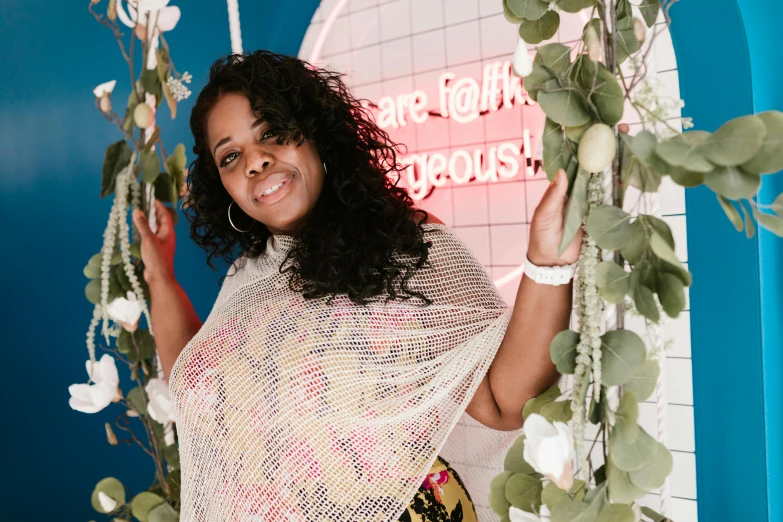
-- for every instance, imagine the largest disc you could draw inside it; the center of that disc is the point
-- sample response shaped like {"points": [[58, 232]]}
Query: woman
{"points": [[352, 330]]}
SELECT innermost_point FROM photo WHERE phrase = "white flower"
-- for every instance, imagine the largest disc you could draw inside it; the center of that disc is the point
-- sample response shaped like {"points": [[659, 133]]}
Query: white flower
{"points": [[104, 89], [166, 16], [550, 450], [517, 515], [522, 64], [159, 406], [103, 92], [108, 504], [126, 311], [92, 398]]}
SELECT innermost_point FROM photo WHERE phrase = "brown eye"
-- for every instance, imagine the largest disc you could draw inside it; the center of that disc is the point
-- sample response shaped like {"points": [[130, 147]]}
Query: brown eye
{"points": [[226, 159]]}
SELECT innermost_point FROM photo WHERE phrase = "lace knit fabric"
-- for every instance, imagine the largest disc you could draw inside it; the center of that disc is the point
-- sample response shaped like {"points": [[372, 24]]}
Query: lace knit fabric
{"points": [[292, 409]]}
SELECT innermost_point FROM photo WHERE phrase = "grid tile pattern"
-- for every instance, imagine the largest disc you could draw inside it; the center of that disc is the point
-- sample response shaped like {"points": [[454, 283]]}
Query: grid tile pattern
{"points": [[392, 47]]}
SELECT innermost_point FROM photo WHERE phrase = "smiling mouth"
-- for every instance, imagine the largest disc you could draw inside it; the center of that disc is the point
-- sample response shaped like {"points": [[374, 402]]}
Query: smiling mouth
{"points": [[274, 189]]}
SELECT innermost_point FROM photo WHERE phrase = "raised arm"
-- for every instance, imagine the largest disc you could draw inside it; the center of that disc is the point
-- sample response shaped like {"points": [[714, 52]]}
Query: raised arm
{"points": [[174, 321], [522, 367]]}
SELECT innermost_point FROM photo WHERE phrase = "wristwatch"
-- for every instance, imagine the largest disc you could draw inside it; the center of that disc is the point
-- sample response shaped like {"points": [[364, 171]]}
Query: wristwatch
{"points": [[550, 275]]}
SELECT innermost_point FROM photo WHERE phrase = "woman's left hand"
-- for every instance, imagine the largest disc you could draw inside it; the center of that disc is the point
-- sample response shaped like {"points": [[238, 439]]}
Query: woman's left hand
{"points": [[546, 229]]}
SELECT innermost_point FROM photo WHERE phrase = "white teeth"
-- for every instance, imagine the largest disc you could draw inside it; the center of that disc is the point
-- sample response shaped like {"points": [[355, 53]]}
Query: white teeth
{"points": [[273, 189]]}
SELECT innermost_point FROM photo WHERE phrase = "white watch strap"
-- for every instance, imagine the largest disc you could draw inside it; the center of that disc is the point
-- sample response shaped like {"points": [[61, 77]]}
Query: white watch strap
{"points": [[550, 275]]}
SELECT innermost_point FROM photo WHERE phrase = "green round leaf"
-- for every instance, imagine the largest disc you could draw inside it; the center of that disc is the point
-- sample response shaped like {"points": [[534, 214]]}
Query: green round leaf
{"points": [[576, 511], [643, 298], [627, 44], [631, 456], [528, 9], [686, 178], [554, 56], [137, 400], [93, 291], [642, 168], [570, 510], [733, 182], [613, 282], [575, 133], [696, 137], [556, 151], [566, 107], [109, 486], [637, 244], [93, 268], [665, 253], [536, 80], [770, 157], [563, 351], [575, 213], [777, 205], [536, 31], [750, 228], [150, 166], [524, 492], [772, 223], [650, 9], [643, 382], [509, 14], [574, 6], [535, 404], [117, 157], [497, 494], [557, 411], [627, 417], [671, 294], [735, 142], [621, 489], [608, 97], [515, 461], [609, 226], [163, 513], [679, 153], [143, 503], [622, 353], [653, 474], [617, 512], [116, 288], [553, 495]]}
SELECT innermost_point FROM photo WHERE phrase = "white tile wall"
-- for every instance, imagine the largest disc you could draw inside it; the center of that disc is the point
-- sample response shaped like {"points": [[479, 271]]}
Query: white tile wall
{"points": [[393, 47], [396, 20]]}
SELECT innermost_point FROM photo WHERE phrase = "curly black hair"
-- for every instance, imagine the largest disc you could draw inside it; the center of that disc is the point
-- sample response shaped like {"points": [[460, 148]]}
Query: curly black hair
{"points": [[362, 237]]}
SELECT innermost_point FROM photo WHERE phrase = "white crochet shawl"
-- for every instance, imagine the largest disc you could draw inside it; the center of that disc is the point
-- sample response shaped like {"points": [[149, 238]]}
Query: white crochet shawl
{"points": [[292, 409]]}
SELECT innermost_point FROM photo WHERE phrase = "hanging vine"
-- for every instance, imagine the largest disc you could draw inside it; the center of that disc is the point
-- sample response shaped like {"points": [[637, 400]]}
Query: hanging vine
{"points": [[628, 259]]}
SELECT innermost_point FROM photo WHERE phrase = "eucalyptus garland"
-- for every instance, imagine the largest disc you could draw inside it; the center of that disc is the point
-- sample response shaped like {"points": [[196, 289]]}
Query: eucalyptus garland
{"points": [[136, 171], [627, 261]]}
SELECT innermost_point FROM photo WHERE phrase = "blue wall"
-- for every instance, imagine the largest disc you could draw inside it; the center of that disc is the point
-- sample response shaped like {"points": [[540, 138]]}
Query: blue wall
{"points": [[52, 54], [729, 64]]}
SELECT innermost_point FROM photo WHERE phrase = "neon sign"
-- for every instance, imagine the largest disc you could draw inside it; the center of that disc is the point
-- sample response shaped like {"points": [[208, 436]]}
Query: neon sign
{"points": [[462, 100]]}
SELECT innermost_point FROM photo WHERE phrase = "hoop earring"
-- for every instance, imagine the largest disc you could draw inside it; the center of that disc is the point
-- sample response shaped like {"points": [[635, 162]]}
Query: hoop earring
{"points": [[232, 223], [325, 170]]}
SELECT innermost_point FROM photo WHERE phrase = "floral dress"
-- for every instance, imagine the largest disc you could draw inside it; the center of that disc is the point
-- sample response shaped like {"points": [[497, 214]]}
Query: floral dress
{"points": [[442, 497]]}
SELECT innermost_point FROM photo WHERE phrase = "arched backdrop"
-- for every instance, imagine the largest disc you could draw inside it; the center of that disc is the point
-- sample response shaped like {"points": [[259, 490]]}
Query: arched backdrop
{"points": [[51, 147]]}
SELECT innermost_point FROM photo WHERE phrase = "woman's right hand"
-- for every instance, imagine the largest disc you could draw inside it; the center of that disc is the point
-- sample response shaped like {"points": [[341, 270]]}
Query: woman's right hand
{"points": [[157, 248]]}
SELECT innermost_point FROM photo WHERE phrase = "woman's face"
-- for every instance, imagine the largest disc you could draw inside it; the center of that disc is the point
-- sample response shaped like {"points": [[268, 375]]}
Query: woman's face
{"points": [[277, 185]]}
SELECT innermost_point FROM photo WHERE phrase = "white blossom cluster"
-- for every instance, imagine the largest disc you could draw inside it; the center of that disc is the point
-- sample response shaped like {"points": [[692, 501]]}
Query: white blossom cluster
{"points": [[177, 87], [117, 225], [657, 108]]}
